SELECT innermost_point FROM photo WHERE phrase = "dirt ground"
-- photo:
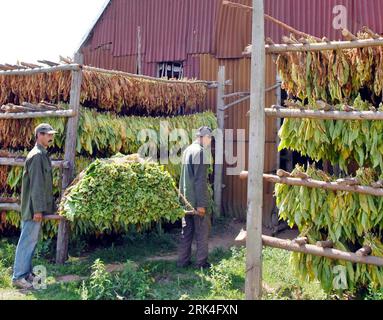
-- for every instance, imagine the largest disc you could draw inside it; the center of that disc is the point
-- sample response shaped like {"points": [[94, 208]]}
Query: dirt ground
{"points": [[224, 238]]}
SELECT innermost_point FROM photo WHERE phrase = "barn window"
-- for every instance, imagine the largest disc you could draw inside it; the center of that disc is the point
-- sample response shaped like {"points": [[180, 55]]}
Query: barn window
{"points": [[170, 70]]}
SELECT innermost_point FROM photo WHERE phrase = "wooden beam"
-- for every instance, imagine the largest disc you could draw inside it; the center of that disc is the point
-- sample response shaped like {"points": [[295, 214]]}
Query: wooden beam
{"points": [[10, 207], [365, 251], [20, 162], [273, 87], [325, 244], [13, 67], [70, 154], [236, 94], [219, 142], [6, 207], [253, 285], [301, 241], [111, 72], [330, 253], [30, 107], [8, 200], [270, 18], [54, 217], [310, 183], [5, 67], [280, 112], [320, 46], [240, 100], [66, 67], [237, 5], [37, 114], [48, 63], [30, 65]]}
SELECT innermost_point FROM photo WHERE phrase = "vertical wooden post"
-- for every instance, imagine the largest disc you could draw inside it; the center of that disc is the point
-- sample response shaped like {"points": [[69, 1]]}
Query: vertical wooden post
{"points": [[279, 120], [139, 53], [256, 156], [70, 155], [219, 141]]}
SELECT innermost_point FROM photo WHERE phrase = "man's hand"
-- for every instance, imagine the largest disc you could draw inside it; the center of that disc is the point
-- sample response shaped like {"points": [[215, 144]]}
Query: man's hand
{"points": [[38, 217], [201, 212]]}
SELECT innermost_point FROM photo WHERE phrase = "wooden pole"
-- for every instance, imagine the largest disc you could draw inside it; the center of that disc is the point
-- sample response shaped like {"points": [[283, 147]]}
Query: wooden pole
{"points": [[210, 84], [70, 154], [325, 244], [365, 251], [66, 67], [20, 162], [270, 18], [315, 250], [253, 286], [37, 114], [279, 112], [6, 207], [10, 207], [219, 142], [310, 183], [9, 200], [229, 105], [320, 46]]}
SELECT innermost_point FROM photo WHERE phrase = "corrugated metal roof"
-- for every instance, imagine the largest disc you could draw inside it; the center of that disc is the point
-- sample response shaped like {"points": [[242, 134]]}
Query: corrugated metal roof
{"points": [[166, 30], [129, 16], [88, 34], [310, 16], [104, 28], [368, 13], [233, 30], [172, 29], [201, 27]]}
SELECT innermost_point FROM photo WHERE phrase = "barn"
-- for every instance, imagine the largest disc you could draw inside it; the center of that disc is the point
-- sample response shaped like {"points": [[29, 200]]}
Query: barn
{"points": [[192, 38]]}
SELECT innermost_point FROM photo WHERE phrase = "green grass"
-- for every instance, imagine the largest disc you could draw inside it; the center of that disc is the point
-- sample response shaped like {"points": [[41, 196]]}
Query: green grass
{"points": [[225, 280], [137, 248], [67, 291], [278, 274]]}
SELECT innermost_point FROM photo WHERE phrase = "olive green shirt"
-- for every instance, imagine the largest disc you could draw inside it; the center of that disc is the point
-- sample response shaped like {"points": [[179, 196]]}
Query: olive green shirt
{"points": [[37, 184], [194, 175]]}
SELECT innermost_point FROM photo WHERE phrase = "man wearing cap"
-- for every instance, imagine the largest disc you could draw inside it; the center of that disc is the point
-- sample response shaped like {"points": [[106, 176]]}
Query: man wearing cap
{"points": [[194, 187], [36, 201]]}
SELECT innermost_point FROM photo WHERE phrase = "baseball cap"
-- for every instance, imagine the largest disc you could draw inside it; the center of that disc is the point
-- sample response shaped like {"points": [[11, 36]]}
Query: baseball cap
{"points": [[44, 128], [204, 131]]}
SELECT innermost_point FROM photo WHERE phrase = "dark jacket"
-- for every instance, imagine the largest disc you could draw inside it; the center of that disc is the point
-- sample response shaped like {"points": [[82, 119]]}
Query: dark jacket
{"points": [[194, 175], [37, 185]]}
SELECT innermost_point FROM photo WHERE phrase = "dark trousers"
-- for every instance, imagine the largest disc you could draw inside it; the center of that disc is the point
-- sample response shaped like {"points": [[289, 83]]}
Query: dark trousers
{"points": [[198, 227]]}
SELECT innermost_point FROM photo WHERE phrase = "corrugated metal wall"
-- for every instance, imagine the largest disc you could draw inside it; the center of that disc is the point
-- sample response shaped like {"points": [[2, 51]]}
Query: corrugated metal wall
{"points": [[176, 29], [171, 30], [204, 35], [238, 70], [320, 18]]}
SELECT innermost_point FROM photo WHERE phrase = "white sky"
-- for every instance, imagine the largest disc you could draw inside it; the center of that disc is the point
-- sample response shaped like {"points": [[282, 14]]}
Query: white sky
{"points": [[32, 30]]}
